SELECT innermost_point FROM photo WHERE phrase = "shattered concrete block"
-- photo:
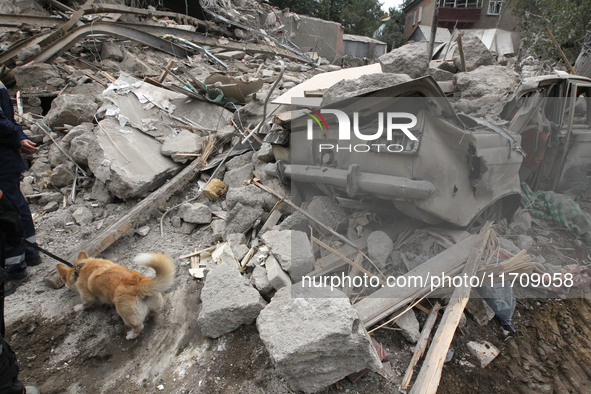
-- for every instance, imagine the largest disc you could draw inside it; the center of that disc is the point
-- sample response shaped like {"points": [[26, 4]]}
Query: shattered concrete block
{"points": [[83, 215], [409, 326], [409, 59], [130, 163], [28, 52], [326, 211], [264, 154], [111, 51], [80, 148], [476, 54], [236, 239], [235, 178], [55, 155], [56, 82], [295, 221], [32, 76], [239, 251], [292, 250], [232, 55], [185, 142], [315, 341], [51, 206], [276, 276], [100, 192], [260, 281], [487, 81], [379, 246], [71, 109], [249, 195], [40, 167], [143, 231], [440, 75], [133, 65], [228, 301], [444, 65], [195, 213], [50, 197], [484, 351], [364, 84], [77, 131], [187, 228], [477, 308], [218, 227], [241, 218], [63, 175], [239, 161], [524, 242]]}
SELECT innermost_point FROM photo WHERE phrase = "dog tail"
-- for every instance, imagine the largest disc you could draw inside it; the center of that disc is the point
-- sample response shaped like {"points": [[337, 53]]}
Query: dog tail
{"points": [[165, 271]]}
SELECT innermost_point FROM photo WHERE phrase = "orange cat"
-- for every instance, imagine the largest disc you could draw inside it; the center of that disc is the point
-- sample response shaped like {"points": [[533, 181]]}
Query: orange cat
{"points": [[133, 294]]}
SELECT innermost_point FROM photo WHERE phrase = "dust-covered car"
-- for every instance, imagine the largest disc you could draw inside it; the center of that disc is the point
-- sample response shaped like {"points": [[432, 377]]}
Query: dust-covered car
{"points": [[407, 145]]}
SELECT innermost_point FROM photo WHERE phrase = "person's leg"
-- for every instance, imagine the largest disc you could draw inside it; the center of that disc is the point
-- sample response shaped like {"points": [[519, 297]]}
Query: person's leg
{"points": [[10, 185]]}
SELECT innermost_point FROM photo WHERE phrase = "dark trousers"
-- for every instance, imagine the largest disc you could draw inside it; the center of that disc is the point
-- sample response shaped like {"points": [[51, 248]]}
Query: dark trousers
{"points": [[16, 257]]}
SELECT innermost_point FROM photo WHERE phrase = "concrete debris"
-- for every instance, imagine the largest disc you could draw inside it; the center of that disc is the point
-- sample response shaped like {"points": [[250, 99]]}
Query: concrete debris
{"points": [[487, 81], [524, 241], [260, 280], [276, 276], [326, 211], [128, 161], [297, 333], [223, 255], [364, 84], [249, 195], [379, 246], [111, 51], [443, 65], [34, 76], [195, 213], [476, 54], [296, 221], [70, 109], [28, 52], [80, 148], [228, 301], [521, 222], [410, 59], [484, 351], [235, 178], [143, 231], [292, 250], [183, 147], [480, 311], [265, 153], [218, 227], [441, 75], [409, 326], [242, 218], [83, 216], [63, 175]]}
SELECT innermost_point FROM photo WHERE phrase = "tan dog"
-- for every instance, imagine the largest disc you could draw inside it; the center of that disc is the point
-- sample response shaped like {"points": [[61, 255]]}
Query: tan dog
{"points": [[133, 294]]}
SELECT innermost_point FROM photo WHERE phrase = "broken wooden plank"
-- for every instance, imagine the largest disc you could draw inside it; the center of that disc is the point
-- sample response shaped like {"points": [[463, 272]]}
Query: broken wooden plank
{"points": [[198, 252], [461, 52], [387, 300], [332, 262], [421, 345], [430, 373], [139, 213]]}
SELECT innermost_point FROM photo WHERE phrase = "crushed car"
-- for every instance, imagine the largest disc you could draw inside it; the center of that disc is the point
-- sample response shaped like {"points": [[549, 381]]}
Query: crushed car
{"points": [[438, 165]]}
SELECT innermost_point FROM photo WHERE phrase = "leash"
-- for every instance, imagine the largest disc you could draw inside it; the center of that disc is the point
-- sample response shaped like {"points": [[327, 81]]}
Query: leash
{"points": [[39, 248]]}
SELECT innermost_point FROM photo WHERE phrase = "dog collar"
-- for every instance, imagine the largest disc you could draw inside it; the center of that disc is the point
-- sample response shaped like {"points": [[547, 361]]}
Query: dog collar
{"points": [[77, 268]]}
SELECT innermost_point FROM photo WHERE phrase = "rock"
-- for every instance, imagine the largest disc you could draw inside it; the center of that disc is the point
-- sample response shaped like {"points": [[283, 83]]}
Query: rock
{"points": [[63, 175], [409, 326], [56, 82], [235, 178], [476, 54], [487, 81], [521, 222], [276, 276], [195, 213], [236, 239], [55, 155], [239, 251], [239, 161], [218, 227], [379, 246], [397, 261], [40, 167], [484, 351], [26, 186], [444, 65], [297, 260], [409, 59], [480, 311], [32, 76], [524, 242], [143, 231], [326, 211], [295, 221], [441, 75], [232, 55], [100, 192], [187, 228], [265, 153], [242, 218], [184, 143], [111, 51], [364, 84], [28, 52], [71, 109], [508, 245], [80, 148], [143, 168], [51, 207], [50, 197], [133, 65], [215, 190], [315, 341], [249, 195], [260, 281], [228, 301], [77, 131], [83, 216]]}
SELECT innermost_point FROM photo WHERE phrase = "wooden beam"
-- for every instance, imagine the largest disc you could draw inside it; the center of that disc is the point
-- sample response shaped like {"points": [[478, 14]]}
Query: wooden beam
{"points": [[461, 52], [570, 67], [430, 374], [332, 262], [388, 300], [140, 212]]}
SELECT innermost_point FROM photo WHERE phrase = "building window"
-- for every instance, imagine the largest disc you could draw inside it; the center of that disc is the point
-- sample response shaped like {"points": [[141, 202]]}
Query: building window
{"points": [[460, 3], [494, 7], [420, 14]]}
